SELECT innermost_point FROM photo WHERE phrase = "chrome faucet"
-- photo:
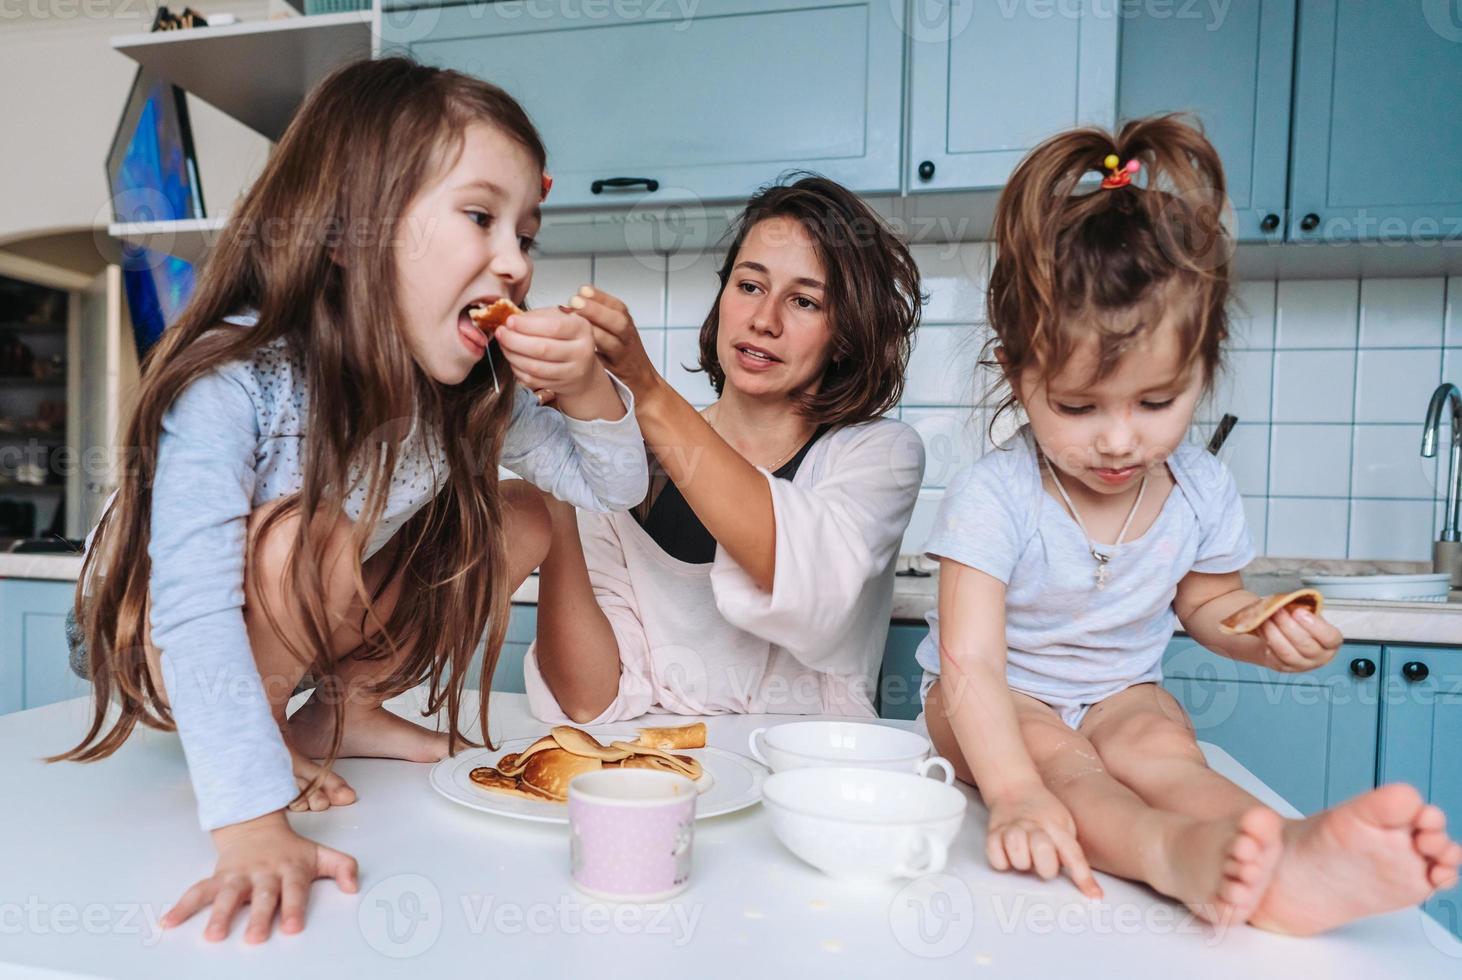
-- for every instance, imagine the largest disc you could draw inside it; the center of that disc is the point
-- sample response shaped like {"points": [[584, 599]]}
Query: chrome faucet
{"points": [[1447, 552]]}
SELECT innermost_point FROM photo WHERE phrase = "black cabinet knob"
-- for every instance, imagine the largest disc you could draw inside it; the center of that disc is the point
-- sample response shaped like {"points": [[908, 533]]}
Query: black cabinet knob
{"points": [[1310, 222], [1269, 222], [1362, 667], [926, 170], [1414, 670]]}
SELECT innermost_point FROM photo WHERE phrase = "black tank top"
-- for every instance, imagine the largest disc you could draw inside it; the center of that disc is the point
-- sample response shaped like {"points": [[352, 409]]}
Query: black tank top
{"points": [[679, 532]]}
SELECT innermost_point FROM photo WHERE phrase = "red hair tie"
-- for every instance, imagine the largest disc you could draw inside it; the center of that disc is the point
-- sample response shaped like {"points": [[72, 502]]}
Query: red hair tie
{"points": [[1119, 177], [547, 186]]}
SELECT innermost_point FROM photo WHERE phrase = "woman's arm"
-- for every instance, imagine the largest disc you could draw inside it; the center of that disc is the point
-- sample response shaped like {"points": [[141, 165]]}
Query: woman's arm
{"points": [[728, 494]]}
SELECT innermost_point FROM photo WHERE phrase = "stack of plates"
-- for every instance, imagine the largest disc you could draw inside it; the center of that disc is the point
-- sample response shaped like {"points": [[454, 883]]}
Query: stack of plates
{"points": [[1396, 588]]}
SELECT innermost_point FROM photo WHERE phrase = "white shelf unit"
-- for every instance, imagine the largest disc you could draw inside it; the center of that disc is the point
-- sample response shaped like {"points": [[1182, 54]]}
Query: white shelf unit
{"points": [[257, 72]]}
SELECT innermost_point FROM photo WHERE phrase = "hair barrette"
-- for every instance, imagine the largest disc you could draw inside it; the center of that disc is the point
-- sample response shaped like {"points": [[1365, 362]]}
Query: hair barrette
{"points": [[1119, 176], [547, 186]]}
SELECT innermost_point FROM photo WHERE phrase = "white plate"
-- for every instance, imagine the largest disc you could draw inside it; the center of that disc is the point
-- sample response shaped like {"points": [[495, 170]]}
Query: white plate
{"points": [[729, 782]]}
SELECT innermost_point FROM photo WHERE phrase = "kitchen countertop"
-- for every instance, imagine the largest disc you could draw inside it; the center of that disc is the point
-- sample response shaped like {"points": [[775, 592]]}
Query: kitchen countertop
{"points": [[1378, 622], [454, 892]]}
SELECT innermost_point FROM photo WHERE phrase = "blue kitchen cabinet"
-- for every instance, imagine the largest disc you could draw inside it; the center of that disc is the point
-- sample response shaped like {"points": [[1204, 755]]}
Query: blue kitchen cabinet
{"points": [[1312, 737], [900, 676], [1233, 72], [34, 666], [709, 107], [522, 628], [990, 79], [1377, 131], [1421, 738]]}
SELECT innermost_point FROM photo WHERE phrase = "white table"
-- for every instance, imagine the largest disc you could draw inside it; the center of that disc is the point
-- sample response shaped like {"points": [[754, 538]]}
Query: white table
{"points": [[90, 856]]}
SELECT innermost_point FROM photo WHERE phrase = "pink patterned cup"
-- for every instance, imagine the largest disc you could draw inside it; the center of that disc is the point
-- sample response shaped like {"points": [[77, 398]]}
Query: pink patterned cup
{"points": [[630, 834]]}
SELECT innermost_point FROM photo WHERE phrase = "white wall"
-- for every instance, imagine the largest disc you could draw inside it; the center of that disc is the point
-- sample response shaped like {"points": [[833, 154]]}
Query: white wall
{"points": [[63, 91]]}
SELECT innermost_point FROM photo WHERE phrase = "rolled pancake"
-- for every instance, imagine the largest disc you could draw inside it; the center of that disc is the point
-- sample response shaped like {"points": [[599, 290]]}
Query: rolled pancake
{"points": [[1256, 614], [682, 737]]}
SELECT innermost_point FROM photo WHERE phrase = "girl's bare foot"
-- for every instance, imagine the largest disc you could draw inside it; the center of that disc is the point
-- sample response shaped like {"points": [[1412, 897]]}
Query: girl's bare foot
{"points": [[1221, 869], [370, 733], [1382, 851], [332, 791]]}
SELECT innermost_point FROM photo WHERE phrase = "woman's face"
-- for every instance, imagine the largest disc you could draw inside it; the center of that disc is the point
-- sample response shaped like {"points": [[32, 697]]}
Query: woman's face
{"points": [[775, 335]]}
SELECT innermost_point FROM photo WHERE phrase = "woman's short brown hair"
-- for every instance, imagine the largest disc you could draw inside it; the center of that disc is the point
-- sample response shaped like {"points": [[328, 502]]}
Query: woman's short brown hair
{"points": [[873, 297]]}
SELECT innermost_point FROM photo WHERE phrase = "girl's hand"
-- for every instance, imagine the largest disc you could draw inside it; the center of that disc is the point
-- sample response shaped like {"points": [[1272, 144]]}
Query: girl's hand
{"points": [[616, 339], [552, 349], [1035, 832], [1297, 639], [265, 863]]}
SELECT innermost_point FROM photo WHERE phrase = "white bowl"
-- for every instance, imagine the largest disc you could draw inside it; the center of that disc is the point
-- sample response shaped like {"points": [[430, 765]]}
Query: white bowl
{"points": [[1431, 587], [866, 825], [811, 744]]}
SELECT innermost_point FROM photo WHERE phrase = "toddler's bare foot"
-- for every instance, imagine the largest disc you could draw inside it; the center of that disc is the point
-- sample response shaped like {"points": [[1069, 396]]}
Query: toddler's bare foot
{"points": [[1382, 851], [332, 791], [370, 733], [1220, 869]]}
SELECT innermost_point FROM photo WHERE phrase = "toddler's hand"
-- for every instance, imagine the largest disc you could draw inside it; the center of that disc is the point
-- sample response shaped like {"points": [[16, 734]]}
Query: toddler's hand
{"points": [[265, 863], [550, 349], [1297, 639], [1035, 831]]}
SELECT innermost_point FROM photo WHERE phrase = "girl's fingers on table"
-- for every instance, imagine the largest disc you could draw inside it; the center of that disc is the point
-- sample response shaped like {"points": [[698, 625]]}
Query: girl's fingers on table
{"points": [[330, 863], [225, 903], [995, 852], [193, 899], [1017, 848], [1074, 860], [293, 897], [1043, 856], [263, 900]]}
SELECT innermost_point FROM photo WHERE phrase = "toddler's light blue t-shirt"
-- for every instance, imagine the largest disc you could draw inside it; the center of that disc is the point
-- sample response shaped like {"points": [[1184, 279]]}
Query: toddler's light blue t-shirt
{"points": [[1068, 643]]}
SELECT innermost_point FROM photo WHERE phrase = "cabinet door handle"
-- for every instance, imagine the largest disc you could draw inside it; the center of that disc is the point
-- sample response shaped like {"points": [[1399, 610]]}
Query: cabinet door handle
{"points": [[650, 183], [1310, 222], [926, 170], [1362, 667], [1414, 671], [1269, 222]]}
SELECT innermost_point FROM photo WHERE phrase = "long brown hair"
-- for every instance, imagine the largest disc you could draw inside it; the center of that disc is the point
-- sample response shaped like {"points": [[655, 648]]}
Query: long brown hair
{"points": [[311, 248], [1074, 263], [873, 298]]}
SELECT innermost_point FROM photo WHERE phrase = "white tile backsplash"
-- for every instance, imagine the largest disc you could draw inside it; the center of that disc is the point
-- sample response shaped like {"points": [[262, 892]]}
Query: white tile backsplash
{"points": [[954, 278], [556, 280], [1243, 388], [953, 439], [1452, 328], [1316, 313], [1310, 461], [682, 347], [1246, 453], [1387, 462], [1314, 385], [1401, 312], [638, 281], [943, 367], [1251, 315], [1302, 527], [1395, 385], [692, 290], [1399, 530]]}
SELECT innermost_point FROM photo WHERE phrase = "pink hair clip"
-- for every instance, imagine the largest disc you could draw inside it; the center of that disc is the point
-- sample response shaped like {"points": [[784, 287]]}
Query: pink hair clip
{"points": [[547, 186], [1119, 177]]}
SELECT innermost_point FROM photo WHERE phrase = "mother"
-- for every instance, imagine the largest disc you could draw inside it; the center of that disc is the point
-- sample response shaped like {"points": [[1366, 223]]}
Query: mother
{"points": [[757, 575]]}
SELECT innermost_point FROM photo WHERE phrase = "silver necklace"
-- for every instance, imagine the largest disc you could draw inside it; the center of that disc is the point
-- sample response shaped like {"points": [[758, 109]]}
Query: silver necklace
{"points": [[711, 421], [1101, 557]]}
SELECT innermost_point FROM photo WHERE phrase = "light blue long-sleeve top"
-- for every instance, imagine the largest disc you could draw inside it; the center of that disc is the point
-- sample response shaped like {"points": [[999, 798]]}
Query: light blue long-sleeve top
{"points": [[234, 440]]}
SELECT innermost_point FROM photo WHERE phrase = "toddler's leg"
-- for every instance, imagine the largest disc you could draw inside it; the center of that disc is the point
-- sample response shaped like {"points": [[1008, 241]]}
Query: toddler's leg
{"points": [[370, 729], [1381, 851], [1219, 868]]}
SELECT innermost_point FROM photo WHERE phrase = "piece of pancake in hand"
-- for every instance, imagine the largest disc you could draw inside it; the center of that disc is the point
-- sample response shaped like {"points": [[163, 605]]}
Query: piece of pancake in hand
{"points": [[551, 771], [1256, 614], [489, 318], [681, 737]]}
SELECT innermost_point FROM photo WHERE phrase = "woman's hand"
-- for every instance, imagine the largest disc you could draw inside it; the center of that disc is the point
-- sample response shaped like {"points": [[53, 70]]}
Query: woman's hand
{"points": [[1297, 640], [617, 340], [1035, 831], [551, 349], [265, 863]]}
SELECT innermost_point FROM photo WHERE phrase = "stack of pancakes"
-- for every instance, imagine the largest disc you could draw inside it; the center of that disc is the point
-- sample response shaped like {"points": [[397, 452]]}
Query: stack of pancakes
{"points": [[544, 769]]}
